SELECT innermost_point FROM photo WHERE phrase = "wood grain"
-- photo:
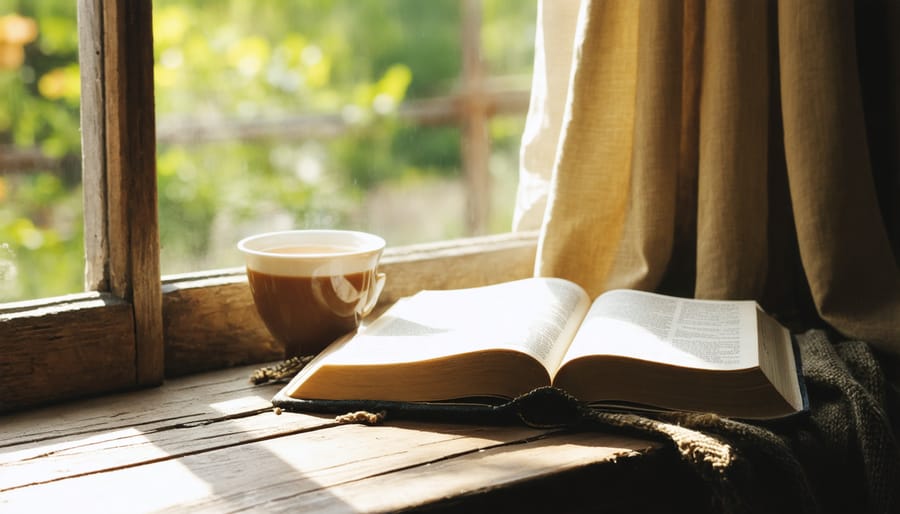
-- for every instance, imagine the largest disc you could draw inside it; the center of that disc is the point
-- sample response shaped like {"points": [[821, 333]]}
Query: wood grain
{"points": [[131, 176], [211, 323], [63, 351], [189, 399], [93, 144], [469, 473], [185, 416], [457, 264], [211, 443], [337, 468]]}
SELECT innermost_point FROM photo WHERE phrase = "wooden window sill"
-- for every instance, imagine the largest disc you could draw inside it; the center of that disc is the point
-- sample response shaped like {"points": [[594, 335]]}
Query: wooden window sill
{"points": [[84, 344], [212, 442]]}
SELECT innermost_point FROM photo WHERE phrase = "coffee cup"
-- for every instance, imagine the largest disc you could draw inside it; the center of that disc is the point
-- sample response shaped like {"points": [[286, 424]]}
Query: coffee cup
{"points": [[310, 287]]}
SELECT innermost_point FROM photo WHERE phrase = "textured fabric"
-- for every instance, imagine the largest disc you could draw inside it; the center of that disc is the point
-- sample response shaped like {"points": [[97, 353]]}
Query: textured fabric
{"points": [[717, 149], [841, 457], [553, 56]]}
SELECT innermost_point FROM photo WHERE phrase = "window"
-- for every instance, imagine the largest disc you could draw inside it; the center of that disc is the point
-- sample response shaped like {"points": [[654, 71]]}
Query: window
{"points": [[128, 331], [41, 242], [355, 114]]}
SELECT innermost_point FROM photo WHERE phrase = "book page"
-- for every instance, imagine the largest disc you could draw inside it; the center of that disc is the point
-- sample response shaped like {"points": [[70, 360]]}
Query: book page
{"points": [[706, 334], [537, 316], [776, 359]]}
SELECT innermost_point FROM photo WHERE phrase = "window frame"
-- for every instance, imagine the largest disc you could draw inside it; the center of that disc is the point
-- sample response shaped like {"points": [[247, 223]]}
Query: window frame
{"points": [[134, 327], [110, 338]]}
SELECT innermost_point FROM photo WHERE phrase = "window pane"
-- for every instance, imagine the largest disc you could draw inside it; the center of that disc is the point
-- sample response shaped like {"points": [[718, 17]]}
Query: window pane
{"points": [[41, 222], [331, 114]]}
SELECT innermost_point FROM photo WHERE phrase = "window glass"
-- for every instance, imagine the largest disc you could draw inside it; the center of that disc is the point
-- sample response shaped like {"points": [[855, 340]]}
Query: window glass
{"points": [[41, 220], [334, 114], [270, 115]]}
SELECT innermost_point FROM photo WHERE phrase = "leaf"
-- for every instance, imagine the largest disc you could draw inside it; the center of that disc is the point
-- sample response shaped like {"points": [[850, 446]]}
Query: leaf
{"points": [[249, 55], [61, 83], [59, 35], [170, 24], [17, 30]]}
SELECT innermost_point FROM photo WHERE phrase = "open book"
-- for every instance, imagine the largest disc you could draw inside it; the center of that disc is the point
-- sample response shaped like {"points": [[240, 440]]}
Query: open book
{"points": [[626, 348]]}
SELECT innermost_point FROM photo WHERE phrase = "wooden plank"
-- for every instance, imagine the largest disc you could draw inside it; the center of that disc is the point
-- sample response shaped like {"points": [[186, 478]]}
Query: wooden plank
{"points": [[15, 160], [211, 443], [51, 301], [456, 264], [188, 399], [65, 350], [93, 144], [187, 416], [170, 439], [167, 438], [470, 473], [476, 145], [210, 321], [343, 468], [131, 176], [132, 446], [430, 111]]}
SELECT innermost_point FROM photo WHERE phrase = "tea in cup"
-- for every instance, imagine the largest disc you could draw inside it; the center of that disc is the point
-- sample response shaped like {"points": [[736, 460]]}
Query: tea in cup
{"points": [[312, 286]]}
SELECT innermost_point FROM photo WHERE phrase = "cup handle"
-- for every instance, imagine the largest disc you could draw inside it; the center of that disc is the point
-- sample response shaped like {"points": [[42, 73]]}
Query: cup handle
{"points": [[374, 293]]}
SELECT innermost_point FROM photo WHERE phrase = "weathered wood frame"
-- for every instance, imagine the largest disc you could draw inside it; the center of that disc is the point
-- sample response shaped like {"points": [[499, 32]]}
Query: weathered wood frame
{"points": [[134, 328], [111, 338]]}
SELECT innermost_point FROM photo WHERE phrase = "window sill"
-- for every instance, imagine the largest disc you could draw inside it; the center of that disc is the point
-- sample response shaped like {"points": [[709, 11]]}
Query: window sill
{"points": [[212, 442], [80, 345]]}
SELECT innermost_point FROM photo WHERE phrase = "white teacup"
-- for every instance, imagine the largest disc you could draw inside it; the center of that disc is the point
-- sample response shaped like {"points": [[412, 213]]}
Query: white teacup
{"points": [[312, 286]]}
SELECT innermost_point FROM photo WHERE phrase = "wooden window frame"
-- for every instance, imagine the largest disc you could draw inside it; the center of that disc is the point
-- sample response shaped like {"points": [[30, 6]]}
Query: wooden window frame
{"points": [[134, 327]]}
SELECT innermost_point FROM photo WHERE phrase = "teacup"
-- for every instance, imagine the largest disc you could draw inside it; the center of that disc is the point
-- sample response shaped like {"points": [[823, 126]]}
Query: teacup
{"points": [[312, 286]]}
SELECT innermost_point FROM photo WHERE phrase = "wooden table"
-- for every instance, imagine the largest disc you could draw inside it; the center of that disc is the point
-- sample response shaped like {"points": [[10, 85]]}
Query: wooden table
{"points": [[212, 442]]}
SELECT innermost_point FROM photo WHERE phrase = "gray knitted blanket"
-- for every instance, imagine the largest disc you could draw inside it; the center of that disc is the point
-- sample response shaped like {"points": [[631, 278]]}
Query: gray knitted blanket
{"points": [[840, 457]]}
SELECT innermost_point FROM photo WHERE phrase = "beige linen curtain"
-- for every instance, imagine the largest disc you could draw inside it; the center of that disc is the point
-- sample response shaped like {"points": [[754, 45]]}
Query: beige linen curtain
{"points": [[720, 149]]}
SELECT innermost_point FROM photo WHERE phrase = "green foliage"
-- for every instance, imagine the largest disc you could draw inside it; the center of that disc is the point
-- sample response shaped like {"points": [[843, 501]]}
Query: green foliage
{"points": [[41, 227], [224, 62], [429, 148]]}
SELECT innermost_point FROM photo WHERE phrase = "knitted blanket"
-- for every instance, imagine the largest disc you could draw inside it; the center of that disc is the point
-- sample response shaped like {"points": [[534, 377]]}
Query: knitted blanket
{"points": [[840, 457]]}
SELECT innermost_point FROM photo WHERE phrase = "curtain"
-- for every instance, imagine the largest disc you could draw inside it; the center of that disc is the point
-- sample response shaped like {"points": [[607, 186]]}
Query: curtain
{"points": [[721, 149]]}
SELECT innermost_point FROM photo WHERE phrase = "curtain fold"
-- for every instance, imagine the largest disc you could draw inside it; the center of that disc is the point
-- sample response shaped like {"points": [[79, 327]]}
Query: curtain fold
{"points": [[552, 69], [595, 145], [648, 227], [732, 180], [844, 248], [716, 149]]}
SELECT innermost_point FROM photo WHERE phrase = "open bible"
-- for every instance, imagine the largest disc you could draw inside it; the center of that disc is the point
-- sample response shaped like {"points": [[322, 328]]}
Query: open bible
{"points": [[625, 349]]}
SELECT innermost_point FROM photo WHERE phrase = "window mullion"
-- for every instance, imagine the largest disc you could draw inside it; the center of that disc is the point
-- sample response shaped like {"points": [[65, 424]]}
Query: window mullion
{"points": [[93, 145], [129, 135]]}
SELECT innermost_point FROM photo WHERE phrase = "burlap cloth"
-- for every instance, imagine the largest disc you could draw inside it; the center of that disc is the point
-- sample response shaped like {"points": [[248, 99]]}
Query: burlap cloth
{"points": [[842, 456]]}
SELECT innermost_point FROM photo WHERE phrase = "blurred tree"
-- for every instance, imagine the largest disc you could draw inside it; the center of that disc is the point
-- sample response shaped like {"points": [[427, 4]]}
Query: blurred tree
{"points": [[229, 64], [41, 232]]}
